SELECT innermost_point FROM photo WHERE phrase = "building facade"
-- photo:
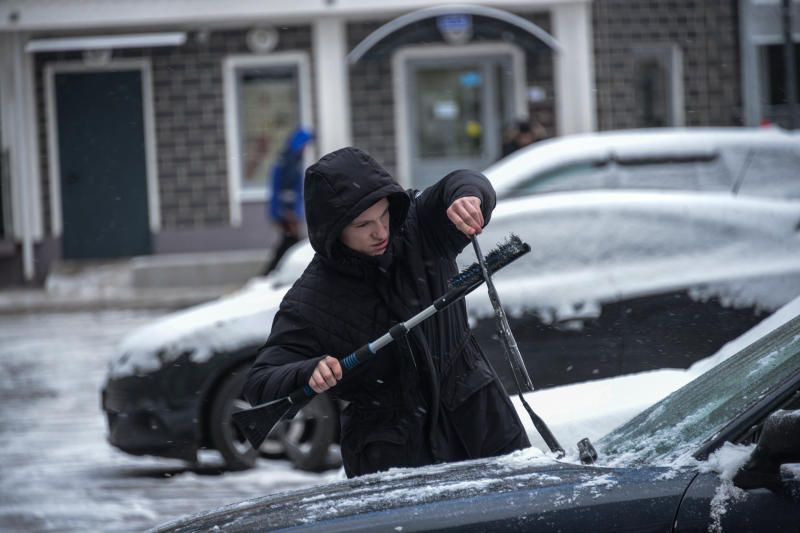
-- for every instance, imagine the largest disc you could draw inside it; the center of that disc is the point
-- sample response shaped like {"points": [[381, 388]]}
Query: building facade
{"points": [[148, 127]]}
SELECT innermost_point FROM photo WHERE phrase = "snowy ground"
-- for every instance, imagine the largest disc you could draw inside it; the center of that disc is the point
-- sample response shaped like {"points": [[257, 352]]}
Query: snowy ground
{"points": [[58, 473]]}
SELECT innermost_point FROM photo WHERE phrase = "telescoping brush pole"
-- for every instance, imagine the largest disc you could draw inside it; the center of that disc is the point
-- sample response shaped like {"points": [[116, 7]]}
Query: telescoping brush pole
{"points": [[257, 422], [512, 352]]}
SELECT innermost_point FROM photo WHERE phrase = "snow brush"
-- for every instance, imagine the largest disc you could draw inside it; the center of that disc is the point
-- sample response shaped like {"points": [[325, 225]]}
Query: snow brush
{"points": [[512, 352], [258, 422]]}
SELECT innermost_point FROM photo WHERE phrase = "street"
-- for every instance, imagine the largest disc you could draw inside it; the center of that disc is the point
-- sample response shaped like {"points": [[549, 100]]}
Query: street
{"points": [[59, 473]]}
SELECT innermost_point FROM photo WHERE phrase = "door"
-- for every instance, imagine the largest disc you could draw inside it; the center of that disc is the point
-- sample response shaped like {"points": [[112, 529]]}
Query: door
{"points": [[102, 164], [457, 111]]}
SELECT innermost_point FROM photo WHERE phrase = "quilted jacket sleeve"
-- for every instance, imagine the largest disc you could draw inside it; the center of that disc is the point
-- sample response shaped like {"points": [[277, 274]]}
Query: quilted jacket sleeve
{"points": [[286, 361], [432, 204]]}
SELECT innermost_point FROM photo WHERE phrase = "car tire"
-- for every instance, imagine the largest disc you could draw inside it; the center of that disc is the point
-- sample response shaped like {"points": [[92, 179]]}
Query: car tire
{"points": [[237, 453], [310, 438]]}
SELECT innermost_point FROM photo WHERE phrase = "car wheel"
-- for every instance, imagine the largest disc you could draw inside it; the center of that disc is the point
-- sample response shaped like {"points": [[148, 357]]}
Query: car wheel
{"points": [[225, 437], [311, 436]]}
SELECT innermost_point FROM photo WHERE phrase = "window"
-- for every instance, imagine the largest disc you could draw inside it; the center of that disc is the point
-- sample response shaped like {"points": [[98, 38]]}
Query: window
{"points": [[775, 66], [771, 172], [576, 175], [690, 173], [658, 83], [266, 98], [269, 109]]}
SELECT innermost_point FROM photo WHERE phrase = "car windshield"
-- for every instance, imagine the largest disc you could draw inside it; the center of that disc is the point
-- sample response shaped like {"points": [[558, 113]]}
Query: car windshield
{"points": [[669, 432]]}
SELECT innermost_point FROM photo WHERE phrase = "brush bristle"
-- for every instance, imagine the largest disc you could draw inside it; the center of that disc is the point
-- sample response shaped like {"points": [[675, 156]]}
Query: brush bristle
{"points": [[504, 253]]}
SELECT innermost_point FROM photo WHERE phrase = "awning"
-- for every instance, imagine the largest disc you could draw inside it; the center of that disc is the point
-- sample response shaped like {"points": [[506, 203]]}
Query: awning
{"points": [[106, 42]]}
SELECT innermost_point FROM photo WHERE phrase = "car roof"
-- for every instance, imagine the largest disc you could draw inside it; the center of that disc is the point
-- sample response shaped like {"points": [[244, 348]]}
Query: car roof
{"points": [[636, 143]]}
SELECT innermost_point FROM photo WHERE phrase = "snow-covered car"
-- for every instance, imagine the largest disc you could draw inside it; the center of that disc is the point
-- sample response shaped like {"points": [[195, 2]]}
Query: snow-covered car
{"points": [[750, 161], [616, 283], [722, 453]]}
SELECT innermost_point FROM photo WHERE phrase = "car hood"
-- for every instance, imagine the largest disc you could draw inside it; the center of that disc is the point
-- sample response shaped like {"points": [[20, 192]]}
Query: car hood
{"points": [[525, 482]]}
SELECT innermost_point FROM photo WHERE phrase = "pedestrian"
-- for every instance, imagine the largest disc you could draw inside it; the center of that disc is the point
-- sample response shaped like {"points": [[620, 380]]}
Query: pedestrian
{"points": [[382, 255], [285, 207], [523, 134]]}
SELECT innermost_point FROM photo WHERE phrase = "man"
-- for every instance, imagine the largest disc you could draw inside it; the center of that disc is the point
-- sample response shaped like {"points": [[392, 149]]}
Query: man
{"points": [[382, 255]]}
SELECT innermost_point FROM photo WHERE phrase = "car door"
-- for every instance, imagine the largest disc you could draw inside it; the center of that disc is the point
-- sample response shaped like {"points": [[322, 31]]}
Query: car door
{"points": [[678, 267], [713, 504], [559, 298]]}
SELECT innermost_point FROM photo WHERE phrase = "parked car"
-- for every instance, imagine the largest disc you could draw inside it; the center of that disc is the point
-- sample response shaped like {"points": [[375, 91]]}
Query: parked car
{"points": [[616, 282], [688, 463], [748, 161]]}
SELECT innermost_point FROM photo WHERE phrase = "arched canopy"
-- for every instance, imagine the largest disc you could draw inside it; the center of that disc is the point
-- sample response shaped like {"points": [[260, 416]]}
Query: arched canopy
{"points": [[481, 12]]}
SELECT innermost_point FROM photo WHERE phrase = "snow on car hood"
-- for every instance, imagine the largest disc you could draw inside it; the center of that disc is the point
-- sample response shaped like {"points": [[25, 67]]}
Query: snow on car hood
{"points": [[449, 492], [240, 319]]}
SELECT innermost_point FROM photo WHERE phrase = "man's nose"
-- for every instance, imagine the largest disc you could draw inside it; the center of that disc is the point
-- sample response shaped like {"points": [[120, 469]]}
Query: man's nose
{"points": [[381, 232]]}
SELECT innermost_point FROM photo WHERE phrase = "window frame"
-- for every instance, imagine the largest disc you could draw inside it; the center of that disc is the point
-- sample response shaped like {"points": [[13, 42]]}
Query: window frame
{"points": [[232, 65]]}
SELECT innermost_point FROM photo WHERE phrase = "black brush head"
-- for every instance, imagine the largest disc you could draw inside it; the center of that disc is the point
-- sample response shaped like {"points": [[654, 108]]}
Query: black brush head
{"points": [[257, 423], [503, 254]]}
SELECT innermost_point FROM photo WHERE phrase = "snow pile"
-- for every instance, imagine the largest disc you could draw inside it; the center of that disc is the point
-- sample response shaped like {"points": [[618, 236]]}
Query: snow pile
{"points": [[594, 408]]}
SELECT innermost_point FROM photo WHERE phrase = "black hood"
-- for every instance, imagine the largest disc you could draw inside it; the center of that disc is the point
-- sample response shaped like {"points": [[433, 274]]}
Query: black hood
{"points": [[339, 187], [517, 490]]}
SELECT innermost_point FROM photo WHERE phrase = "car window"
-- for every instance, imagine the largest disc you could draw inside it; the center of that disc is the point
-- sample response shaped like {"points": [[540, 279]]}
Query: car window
{"points": [[772, 172], [674, 428], [577, 175], [703, 173]]}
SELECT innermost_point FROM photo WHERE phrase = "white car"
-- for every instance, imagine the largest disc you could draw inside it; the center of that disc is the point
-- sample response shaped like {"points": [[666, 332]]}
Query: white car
{"points": [[617, 282], [751, 161]]}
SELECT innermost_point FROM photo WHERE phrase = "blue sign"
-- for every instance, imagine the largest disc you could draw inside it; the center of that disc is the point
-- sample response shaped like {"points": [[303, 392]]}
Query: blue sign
{"points": [[455, 28]]}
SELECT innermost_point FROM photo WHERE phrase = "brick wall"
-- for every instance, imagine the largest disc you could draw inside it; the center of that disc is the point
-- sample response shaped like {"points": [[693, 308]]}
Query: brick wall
{"points": [[707, 34]]}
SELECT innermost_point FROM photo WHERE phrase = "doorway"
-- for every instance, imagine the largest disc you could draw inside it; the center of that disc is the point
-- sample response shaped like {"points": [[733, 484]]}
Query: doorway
{"points": [[101, 165], [456, 111]]}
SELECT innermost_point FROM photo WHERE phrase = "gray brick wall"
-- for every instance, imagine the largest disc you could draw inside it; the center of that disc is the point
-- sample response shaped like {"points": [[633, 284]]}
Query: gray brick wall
{"points": [[707, 34]]}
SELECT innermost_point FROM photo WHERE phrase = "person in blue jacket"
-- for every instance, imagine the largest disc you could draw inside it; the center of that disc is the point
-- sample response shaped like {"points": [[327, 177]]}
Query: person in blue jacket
{"points": [[285, 207]]}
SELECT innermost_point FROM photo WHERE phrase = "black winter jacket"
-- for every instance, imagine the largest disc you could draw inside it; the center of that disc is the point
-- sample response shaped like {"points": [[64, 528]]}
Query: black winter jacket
{"points": [[427, 398]]}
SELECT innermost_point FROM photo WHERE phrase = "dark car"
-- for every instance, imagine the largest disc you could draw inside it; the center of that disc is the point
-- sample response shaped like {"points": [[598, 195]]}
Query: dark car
{"points": [[616, 283], [688, 463]]}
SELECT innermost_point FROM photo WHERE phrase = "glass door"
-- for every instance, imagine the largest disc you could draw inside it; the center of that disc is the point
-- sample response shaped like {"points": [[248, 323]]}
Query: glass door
{"points": [[457, 111]]}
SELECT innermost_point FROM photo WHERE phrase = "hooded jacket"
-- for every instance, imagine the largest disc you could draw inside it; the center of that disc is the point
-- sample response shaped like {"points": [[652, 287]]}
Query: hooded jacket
{"points": [[429, 397]]}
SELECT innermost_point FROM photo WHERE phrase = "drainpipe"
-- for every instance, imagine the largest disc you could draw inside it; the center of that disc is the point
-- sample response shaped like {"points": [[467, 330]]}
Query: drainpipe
{"points": [[22, 166], [790, 64]]}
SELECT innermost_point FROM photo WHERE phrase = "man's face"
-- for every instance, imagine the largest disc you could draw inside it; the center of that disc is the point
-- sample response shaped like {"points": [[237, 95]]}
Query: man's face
{"points": [[369, 232]]}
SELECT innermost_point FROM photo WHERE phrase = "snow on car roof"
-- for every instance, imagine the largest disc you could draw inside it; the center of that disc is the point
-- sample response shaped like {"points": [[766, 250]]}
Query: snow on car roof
{"points": [[641, 143]]}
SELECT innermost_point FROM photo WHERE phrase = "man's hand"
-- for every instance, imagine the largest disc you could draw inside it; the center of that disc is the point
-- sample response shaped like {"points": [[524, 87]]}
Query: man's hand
{"points": [[327, 373], [466, 214]]}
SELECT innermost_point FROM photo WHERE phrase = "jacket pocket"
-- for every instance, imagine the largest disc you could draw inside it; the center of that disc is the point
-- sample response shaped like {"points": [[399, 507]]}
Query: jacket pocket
{"points": [[371, 444], [478, 409], [466, 375]]}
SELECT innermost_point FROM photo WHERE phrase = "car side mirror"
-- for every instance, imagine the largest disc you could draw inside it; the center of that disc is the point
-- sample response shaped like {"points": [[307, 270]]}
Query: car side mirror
{"points": [[778, 444]]}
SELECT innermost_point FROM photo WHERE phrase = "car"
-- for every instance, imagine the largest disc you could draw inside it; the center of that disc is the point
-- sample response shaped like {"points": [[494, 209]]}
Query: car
{"points": [[719, 454], [749, 161], [617, 282]]}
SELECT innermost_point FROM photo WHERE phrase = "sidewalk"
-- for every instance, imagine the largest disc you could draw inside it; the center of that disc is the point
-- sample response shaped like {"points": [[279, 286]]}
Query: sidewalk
{"points": [[151, 282]]}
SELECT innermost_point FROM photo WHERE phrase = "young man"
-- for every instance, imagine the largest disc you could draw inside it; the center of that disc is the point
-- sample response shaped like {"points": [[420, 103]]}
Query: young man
{"points": [[382, 255]]}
